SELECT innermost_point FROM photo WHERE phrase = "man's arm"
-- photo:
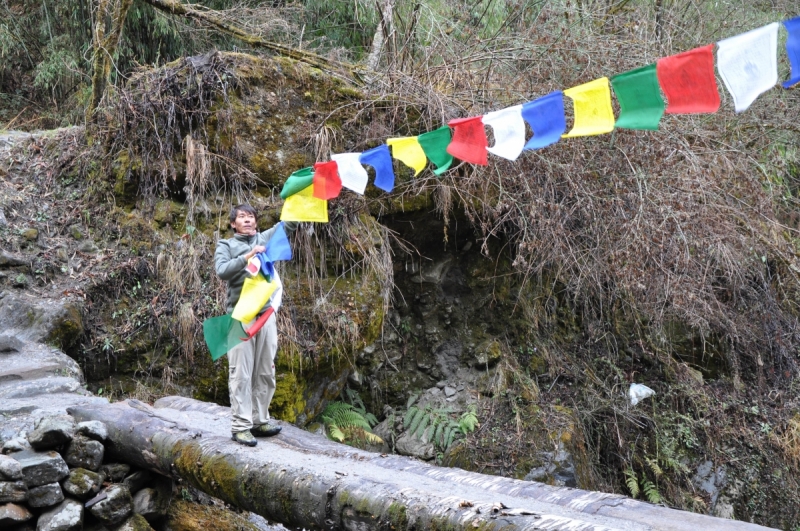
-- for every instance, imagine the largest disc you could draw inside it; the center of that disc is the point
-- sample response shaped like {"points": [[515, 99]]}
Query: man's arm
{"points": [[226, 266], [288, 226]]}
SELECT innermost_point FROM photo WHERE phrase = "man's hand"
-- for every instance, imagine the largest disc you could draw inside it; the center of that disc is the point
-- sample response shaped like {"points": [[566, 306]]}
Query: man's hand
{"points": [[254, 251]]}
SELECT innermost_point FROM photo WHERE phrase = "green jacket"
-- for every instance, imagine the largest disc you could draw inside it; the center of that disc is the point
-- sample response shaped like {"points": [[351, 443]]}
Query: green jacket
{"points": [[229, 262]]}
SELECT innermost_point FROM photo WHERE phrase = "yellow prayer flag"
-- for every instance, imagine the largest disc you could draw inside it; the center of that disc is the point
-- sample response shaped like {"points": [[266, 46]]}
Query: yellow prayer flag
{"points": [[408, 151], [593, 113], [303, 206], [256, 291]]}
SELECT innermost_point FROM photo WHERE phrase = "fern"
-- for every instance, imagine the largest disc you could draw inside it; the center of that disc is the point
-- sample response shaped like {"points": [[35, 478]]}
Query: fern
{"points": [[409, 416], [422, 425], [651, 492], [468, 421], [416, 420], [632, 482], [346, 423], [653, 464]]}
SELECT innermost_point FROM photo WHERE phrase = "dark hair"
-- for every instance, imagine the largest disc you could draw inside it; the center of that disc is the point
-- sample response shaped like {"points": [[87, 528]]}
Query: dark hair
{"points": [[244, 207]]}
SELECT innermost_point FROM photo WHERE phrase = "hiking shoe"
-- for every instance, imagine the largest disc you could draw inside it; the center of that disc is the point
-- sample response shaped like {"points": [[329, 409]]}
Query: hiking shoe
{"points": [[245, 438], [265, 430]]}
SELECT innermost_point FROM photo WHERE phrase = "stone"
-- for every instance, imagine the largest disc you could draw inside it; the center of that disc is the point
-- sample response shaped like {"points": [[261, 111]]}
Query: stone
{"points": [[30, 234], [408, 444], [45, 495], [115, 472], [137, 481], [75, 232], [88, 247], [9, 468], [8, 259], [12, 514], [115, 508], [41, 468], [53, 431], [82, 483], [93, 429], [83, 452], [13, 491], [487, 354], [17, 444], [68, 516], [152, 503], [135, 523], [449, 391]]}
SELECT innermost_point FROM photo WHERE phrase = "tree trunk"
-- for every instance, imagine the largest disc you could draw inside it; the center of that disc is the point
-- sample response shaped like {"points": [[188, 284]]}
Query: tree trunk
{"points": [[107, 31]]}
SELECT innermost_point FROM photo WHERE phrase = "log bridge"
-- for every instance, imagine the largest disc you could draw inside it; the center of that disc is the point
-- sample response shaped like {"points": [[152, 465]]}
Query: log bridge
{"points": [[303, 480]]}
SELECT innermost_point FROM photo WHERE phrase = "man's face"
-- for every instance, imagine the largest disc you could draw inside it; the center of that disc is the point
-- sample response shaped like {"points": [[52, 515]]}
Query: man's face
{"points": [[245, 223]]}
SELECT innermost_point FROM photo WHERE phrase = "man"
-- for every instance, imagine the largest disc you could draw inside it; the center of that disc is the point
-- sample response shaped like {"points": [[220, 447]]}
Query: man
{"points": [[251, 378]]}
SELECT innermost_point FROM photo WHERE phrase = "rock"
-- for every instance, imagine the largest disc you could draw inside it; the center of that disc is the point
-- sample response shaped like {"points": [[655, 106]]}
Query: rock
{"points": [[12, 514], [75, 232], [17, 444], [449, 391], [68, 516], [41, 468], [558, 469], [8, 260], [45, 495], [115, 508], [88, 247], [135, 523], [83, 452], [356, 379], [413, 446], [93, 429], [30, 234], [9, 343], [487, 354], [39, 319], [137, 481], [9, 468], [115, 472], [50, 432], [82, 483], [13, 491], [152, 503]]}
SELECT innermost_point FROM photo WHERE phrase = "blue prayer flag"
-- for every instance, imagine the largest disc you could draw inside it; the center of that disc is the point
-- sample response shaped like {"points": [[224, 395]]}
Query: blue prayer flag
{"points": [[793, 49], [381, 159], [278, 248], [546, 117]]}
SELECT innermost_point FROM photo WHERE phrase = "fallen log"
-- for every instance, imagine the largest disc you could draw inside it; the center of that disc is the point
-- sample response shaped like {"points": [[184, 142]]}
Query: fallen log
{"points": [[304, 480]]}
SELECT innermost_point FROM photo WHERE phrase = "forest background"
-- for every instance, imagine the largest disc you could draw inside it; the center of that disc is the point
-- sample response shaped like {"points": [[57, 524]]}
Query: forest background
{"points": [[671, 254]]}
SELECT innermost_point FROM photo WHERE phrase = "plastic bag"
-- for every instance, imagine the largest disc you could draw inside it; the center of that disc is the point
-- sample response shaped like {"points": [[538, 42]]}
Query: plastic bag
{"points": [[639, 392]]}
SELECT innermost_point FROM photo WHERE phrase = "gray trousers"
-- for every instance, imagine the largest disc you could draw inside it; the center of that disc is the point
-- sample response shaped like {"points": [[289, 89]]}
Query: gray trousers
{"points": [[251, 378]]}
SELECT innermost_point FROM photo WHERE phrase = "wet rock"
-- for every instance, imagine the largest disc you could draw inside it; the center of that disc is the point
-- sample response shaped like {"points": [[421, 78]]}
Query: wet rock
{"points": [[13, 491], [85, 453], [356, 379], [115, 508], [137, 481], [93, 429], [152, 503], [41, 468], [411, 445], [8, 260], [68, 516], [53, 431], [557, 469], [9, 468], [12, 514], [45, 495], [135, 523], [711, 480], [115, 472], [82, 483]]}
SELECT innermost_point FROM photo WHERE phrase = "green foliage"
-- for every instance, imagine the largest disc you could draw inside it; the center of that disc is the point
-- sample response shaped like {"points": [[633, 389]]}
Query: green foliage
{"points": [[350, 422], [350, 24], [438, 426], [632, 482]]}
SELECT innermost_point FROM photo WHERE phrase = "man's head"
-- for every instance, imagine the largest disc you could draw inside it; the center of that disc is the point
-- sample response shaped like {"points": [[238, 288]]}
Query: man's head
{"points": [[244, 220]]}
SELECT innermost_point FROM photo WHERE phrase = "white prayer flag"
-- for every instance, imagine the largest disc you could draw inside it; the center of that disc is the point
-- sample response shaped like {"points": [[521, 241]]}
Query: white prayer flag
{"points": [[748, 64], [509, 132], [351, 172]]}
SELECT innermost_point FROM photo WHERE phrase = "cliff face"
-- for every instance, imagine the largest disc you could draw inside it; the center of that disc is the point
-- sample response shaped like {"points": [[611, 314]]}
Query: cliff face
{"points": [[403, 298]]}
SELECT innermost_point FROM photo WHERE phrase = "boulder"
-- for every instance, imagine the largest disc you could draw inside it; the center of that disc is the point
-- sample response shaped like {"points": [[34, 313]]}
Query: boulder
{"points": [[137, 481], [408, 444], [82, 483], [152, 503], [115, 472], [16, 444], [85, 453], [115, 508], [45, 495], [12, 514], [10, 469], [68, 516], [41, 468], [93, 429], [13, 491], [51, 432], [135, 523]]}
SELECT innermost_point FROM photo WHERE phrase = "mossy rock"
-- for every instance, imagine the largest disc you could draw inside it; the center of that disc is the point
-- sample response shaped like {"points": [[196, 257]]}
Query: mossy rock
{"points": [[189, 516]]}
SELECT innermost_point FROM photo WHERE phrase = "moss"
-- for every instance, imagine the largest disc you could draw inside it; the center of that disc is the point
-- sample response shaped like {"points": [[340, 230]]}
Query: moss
{"points": [[288, 400], [396, 513], [188, 516], [68, 330]]}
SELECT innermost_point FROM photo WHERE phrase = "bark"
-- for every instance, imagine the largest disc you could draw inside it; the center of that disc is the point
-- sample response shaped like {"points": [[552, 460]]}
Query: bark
{"points": [[107, 31], [383, 34], [304, 480]]}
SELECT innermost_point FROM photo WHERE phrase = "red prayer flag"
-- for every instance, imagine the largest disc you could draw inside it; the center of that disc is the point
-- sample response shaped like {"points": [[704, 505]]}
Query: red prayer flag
{"points": [[327, 183], [687, 80], [469, 140]]}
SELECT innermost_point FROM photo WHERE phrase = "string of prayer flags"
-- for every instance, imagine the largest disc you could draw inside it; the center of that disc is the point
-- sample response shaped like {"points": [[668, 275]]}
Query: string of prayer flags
{"points": [[434, 145], [793, 50], [408, 151], [748, 64], [688, 82], [299, 180], [278, 248], [256, 292], [303, 206], [351, 172], [509, 132], [639, 96], [593, 112], [327, 183], [545, 115], [380, 159], [469, 140], [222, 333]]}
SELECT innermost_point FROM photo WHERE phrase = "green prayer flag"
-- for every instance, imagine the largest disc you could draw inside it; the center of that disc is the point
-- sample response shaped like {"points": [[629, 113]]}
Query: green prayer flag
{"points": [[434, 144], [222, 334], [299, 180], [639, 96]]}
